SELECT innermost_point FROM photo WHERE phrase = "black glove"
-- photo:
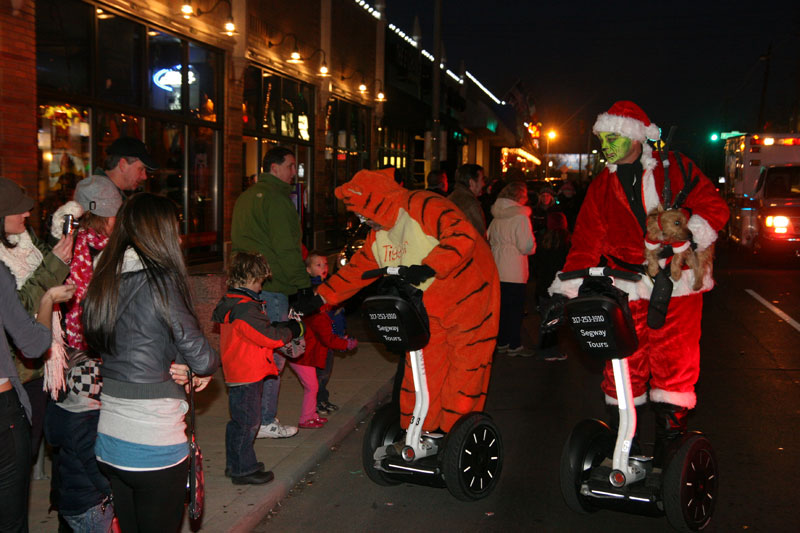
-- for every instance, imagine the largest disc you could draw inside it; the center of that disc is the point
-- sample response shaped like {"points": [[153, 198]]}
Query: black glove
{"points": [[296, 327], [416, 274], [308, 304], [552, 310]]}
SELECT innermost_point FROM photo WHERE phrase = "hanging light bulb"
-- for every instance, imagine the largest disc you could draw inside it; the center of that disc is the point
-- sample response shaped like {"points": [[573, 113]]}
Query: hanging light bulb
{"points": [[362, 88], [187, 9], [295, 57], [323, 70], [381, 97], [230, 27]]}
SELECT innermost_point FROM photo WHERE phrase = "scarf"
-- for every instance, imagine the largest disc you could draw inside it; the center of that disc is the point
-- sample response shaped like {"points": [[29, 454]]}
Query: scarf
{"points": [[80, 274], [23, 259]]}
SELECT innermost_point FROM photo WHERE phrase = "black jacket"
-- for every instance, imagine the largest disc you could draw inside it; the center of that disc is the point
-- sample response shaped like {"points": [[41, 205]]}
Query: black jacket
{"points": [[145, 346]]}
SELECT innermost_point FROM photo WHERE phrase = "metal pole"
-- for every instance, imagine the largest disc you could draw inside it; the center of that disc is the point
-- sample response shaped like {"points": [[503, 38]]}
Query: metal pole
{"points": [[436, 73]]}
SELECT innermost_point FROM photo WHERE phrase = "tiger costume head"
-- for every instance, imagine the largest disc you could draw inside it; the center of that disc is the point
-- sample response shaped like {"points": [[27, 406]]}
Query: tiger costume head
{"points": [[375, 195]]}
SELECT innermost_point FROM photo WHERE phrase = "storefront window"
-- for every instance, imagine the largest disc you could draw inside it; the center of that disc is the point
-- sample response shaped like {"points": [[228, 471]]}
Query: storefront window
{"points": [[270, 103], [288, 108], [63, 140], [63, 45], [250, 163], [250, 97], [166, 143], [119, 60], [110, 127], [304, 102], [204, 64], [201, 225], [164, 72]]}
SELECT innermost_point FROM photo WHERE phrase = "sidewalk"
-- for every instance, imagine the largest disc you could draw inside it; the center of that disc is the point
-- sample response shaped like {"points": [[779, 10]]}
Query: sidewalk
{"points": [[359, 381]]}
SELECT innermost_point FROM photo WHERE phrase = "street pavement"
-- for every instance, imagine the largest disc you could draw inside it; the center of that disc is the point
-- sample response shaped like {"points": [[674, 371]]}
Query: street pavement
{"points": [[359, 381]]}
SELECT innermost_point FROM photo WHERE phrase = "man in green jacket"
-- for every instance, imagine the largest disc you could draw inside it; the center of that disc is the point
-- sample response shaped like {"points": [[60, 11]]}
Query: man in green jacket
{"points": [[266, 221]]}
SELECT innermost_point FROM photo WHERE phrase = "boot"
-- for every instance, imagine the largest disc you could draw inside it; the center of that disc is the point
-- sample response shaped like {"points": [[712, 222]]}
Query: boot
{"points": [[670, 425]]}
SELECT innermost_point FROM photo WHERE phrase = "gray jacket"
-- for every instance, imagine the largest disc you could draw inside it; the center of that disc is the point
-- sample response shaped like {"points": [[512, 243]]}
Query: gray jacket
{"points": [[145, 347], [32, 338]]}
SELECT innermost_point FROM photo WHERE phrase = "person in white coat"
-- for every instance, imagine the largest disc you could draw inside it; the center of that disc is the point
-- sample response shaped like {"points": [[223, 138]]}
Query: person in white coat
{"points": [[511, 238]]}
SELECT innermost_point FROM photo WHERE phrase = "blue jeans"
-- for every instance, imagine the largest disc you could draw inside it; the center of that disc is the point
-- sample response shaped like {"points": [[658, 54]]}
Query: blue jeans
{"points": [[277, 306], [94, 520], [244, 403]]}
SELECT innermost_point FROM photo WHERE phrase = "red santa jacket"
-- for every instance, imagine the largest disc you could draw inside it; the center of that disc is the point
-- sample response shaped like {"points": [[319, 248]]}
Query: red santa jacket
{"points": [[247, 338], [606, 225], [319, 339]]}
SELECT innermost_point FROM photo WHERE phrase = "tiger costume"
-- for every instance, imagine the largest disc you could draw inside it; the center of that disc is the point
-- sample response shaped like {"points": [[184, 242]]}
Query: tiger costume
{"points": [[462, 299]]}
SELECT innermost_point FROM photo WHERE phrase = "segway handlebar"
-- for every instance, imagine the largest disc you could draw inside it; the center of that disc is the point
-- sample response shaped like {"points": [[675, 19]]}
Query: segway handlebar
{"points": [[378, 272], [599, 272]]}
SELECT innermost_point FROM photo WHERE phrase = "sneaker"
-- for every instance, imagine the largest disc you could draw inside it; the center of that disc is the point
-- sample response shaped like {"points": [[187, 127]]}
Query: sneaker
{"points": [[314, 423], [520, 351], [276, 431], [322, 409], [330, 407], [555, 357], [501, 348]]}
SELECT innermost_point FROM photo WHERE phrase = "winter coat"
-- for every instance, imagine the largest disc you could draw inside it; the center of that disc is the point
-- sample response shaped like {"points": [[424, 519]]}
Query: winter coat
{"points": [[144, 346], [607, 227], [265, 220], [511, 239], [470, 206], [319, 339], [81, 485], [247, 338]]}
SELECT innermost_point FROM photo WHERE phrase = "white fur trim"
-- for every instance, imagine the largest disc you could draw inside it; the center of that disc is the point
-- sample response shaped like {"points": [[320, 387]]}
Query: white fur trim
{"points": [[652, 245], [638, 290], [651, 198], [682, 248], [702, 232], [626, 126], [568, 288], [70, 208], [681, 399], [639, 400]]}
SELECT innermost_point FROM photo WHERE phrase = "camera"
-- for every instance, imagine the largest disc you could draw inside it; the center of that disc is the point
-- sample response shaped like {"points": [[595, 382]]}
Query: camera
{"points": [[70, 224]]}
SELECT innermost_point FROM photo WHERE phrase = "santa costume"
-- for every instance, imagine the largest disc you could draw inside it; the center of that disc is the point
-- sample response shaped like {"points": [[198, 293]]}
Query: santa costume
{"points": [[668, 358]]}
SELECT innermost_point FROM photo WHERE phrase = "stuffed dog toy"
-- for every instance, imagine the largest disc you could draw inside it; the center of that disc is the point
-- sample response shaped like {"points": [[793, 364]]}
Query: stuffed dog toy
{"points": [[669, 227]]}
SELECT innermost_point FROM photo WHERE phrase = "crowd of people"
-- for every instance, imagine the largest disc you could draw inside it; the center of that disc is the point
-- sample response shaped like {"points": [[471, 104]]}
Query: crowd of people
{"points": [[104, 343]]}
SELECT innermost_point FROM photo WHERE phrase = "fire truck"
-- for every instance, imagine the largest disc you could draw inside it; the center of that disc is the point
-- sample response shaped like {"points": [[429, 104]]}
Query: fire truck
{"points": [[762, 188]]}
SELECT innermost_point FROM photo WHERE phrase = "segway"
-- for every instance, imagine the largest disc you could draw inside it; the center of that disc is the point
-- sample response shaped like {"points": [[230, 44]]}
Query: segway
{"points": [[468, 459], [601, 471]]}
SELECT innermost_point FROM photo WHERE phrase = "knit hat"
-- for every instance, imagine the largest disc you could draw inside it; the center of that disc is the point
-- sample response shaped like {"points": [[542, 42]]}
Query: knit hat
{"points": [[13, 200], [627, 119], [98, 195]]}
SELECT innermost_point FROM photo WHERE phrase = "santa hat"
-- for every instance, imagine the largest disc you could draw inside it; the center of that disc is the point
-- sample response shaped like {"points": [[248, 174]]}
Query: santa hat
{"points": [[628, 120]]}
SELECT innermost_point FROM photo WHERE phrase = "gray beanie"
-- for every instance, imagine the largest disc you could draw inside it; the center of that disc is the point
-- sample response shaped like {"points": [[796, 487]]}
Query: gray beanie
{"points": [[98, 195]]}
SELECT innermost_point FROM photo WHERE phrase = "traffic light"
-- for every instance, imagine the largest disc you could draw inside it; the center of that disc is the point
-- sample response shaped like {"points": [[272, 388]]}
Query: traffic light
{"points": [[714, 137]]}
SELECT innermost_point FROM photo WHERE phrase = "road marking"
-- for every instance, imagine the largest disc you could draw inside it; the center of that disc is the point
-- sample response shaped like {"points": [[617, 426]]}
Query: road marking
{"points": [[789, 320]]}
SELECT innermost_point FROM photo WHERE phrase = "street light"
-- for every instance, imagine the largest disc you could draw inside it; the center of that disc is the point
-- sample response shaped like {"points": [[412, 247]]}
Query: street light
{"points": [[550, 135]]}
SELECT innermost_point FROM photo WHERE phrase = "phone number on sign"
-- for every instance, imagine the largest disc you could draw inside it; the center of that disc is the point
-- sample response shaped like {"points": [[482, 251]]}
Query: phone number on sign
{"points": [[383, 316], [588, 319]]}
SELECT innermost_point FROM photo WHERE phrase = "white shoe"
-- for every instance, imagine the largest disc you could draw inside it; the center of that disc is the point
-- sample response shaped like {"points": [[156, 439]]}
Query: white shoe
{"points": [[276, 431], [520, 351], [501, 348]]}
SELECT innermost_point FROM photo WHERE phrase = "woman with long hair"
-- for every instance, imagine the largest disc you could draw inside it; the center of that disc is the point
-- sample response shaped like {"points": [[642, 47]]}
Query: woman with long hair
{"points": [[139, 318], [25, 273]]}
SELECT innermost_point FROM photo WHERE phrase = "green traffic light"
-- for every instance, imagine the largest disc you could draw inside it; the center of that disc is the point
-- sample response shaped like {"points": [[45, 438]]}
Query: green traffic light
{"points": [[714, 137]]}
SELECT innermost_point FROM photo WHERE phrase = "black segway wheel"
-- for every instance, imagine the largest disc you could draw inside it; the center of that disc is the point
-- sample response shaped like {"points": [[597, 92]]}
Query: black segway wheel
{"points": [[690, 484], [589, 443], [383, 429], [473, 457]]}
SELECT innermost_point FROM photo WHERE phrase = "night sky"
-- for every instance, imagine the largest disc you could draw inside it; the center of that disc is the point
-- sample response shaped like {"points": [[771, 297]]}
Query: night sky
{"points": [[695, 65]]}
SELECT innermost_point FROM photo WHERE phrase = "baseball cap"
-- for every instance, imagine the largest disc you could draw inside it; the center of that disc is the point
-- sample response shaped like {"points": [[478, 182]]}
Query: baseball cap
{"points": [[13, 200], [98, 195], [132, 147]]}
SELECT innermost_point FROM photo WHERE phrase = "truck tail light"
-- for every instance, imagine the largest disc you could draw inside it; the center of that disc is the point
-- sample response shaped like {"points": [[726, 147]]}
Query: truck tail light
{"points": [[779, 224]]}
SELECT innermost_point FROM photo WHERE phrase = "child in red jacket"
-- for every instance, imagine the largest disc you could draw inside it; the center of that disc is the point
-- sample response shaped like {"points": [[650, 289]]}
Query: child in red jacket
{"points": [[247, 338], [322, 337]]}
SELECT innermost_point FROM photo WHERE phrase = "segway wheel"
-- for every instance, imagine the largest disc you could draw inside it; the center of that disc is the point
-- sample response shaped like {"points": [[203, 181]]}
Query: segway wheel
{"points": [[590, 442], [383, 429], [690, 484], [472, 457]]}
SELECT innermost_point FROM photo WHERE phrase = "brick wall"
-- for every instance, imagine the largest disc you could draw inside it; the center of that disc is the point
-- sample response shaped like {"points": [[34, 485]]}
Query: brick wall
{"points": [[18, 95]]}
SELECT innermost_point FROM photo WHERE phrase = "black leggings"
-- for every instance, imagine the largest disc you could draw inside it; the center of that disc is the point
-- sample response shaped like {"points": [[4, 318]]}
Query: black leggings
{"points": [[15, 463], [148, 501]]}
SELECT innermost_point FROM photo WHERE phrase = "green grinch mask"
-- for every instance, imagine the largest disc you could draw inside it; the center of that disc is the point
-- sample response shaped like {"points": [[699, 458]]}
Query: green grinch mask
{"points": [[614, 146]]}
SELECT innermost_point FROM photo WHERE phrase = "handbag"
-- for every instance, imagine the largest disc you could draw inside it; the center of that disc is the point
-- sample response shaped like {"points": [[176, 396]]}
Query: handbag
{"points": [[195, 485]]}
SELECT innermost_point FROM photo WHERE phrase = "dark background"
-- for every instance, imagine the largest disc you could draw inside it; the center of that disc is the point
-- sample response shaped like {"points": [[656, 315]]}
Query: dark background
{"points": [[696, 65]]}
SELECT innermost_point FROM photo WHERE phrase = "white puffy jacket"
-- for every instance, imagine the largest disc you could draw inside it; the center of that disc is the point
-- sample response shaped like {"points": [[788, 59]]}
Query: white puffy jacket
{"points": [[511, 239]]}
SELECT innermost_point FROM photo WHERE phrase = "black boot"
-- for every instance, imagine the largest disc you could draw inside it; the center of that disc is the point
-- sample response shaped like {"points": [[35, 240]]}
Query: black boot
{"points": [[670, 426]]}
